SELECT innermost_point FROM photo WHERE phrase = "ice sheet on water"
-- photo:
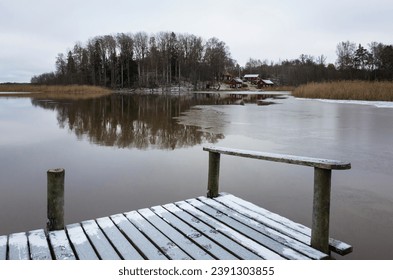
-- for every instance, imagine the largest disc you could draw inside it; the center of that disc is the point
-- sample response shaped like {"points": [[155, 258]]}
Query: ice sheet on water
{"points": [[378, 104]]}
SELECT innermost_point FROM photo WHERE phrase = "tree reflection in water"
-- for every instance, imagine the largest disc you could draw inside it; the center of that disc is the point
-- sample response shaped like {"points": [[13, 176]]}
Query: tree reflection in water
{"points": [[132, 121]]}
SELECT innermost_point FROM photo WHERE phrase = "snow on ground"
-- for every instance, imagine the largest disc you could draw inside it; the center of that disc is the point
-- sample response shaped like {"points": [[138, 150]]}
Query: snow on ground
{"points": [[378, 104]]}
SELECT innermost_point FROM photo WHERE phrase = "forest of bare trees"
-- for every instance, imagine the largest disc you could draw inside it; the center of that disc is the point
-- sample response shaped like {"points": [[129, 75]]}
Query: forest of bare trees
{"points": [[354, 62], [140, 60], [166, 58]]}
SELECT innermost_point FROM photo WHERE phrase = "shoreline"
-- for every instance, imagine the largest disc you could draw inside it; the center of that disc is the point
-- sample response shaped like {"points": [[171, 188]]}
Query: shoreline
{"points": [[52, 91], [350, 91], [376, 103]]}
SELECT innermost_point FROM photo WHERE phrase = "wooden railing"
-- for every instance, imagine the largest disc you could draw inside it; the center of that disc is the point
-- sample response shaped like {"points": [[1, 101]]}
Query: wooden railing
{"points": [[322, 185]]}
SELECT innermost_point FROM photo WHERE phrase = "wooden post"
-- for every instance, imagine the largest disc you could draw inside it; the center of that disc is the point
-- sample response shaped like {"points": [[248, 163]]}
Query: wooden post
{"points": [[214, 174], [321, 210], [55, 210]]}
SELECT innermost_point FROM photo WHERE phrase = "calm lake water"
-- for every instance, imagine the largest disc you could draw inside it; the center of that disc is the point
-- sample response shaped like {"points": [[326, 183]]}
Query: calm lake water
{"points": [[123, 153]]}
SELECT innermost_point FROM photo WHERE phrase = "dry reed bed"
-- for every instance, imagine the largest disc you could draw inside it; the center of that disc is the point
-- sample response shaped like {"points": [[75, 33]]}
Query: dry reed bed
{"points": [[347, 90], [55, 91]]}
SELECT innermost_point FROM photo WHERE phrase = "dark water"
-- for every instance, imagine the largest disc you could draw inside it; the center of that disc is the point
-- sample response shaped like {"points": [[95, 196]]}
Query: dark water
{"points": [[123, 153]]}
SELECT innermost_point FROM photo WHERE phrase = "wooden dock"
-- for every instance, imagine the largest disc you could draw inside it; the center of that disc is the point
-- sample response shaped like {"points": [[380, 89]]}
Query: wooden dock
{"points": [[220, 226]]}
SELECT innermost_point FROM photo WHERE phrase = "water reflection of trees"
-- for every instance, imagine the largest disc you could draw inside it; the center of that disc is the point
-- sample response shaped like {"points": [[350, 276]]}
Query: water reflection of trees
{"points": [[128, 121]]}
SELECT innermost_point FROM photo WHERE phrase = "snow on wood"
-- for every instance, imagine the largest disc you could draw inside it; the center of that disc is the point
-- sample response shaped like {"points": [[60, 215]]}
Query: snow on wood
{"points": [[307, 161], [241, 239], [273, 216], [257, 212], [122, 245], [340, 247], [80, 242], [207, 230], [261, 228], [18, 247], [247, 231], [225, 227], [217, 251], [99, 241], [253, 214], [61, 246], [144, 245], [165, 244], [39, 247], [3, 247], [179, 239]]}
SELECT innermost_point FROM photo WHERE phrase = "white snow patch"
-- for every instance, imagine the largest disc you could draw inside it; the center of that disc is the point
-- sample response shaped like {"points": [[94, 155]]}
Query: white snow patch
{"points": [[58, 238], [378, 104], [172, 208], [243, 240], [91, 228], [147, 213], [105, 222], [18, 239], [3, 240], [77, 235], [135, 216], [159, 210], [37, 238]]}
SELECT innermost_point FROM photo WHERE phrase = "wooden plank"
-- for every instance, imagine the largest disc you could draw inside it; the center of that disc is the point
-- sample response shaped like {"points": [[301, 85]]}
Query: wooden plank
{"points": [[279, 237], [3, 247], [175, 236], [336, 246], [18, 247], [298, 231], [139, 241], [99, 241], [207, 244], [80, 243], [207, 230], [61, 246], [170, 249], [340, 247], [119, 242], [259, 217], [263, 240], [306, 161], [39, 247], [232, 234], [253, 246]]}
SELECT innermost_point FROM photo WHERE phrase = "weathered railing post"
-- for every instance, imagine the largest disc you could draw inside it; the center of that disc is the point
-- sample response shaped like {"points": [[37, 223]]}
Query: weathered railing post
{"points": [[322, 185], [55, 199], [321, 210], [213, 175]]}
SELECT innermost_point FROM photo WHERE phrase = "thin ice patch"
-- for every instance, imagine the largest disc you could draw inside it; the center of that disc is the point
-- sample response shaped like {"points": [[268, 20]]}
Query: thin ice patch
{"points": [[378, 104]]}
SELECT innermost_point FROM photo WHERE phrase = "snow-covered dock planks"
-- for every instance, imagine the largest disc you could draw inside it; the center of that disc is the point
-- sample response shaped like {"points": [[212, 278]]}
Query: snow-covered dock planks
{"points": [[225, 227], [3, 247]]}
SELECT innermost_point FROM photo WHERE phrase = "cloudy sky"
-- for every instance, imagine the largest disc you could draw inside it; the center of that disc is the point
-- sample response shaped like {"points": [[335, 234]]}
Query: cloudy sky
{"points": [[32, 33]]}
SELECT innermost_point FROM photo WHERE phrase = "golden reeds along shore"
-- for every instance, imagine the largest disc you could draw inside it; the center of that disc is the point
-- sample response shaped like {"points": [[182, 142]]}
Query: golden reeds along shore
{"points": [[347, 90], [53, 91]]}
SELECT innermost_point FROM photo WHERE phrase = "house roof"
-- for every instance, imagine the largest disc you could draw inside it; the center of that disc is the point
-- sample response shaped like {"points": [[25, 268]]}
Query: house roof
{"points": [[268, 82], [251, 76], [238, 80]]}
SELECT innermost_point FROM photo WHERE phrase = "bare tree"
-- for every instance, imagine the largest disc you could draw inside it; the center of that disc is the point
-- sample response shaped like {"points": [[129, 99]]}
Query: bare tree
{"points": [[125, 44], [345, 55], [141, 50]]}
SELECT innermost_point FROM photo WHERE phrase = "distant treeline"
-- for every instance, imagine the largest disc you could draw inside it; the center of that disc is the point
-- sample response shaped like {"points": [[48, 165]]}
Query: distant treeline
{"points": [[354, 62], [141, 60], [167, 58]]}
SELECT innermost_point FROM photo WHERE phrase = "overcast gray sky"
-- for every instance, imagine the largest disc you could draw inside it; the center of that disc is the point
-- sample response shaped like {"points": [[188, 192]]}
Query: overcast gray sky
{"points": [[33, 32]]}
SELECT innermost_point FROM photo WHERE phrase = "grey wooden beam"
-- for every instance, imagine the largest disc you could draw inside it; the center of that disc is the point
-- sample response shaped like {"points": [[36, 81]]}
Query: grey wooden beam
{"points": [[298, 160]]}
